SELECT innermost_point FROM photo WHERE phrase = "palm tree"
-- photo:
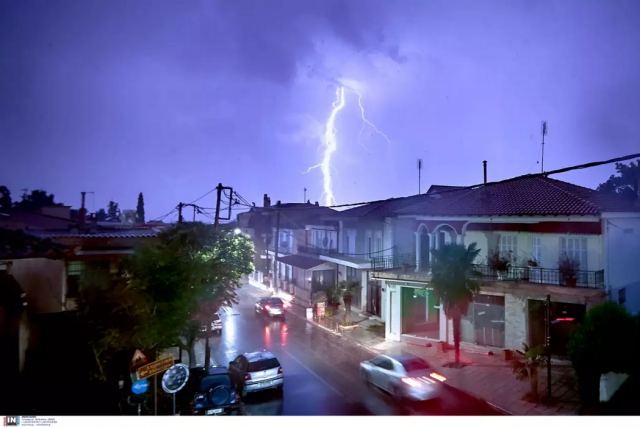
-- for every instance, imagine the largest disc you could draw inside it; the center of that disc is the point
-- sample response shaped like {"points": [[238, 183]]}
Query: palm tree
{"points": [[453, 283]]}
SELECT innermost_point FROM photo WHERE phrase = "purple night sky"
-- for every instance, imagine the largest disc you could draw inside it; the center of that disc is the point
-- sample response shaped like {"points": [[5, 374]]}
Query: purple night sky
{"points": [[169, 98]]}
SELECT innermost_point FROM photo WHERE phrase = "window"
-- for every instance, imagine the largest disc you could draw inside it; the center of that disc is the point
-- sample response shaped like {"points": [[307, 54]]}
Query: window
{"points": [[508, 246], [75, 269], [378, 242], [536, 250], [575, 248], [352, 274]]}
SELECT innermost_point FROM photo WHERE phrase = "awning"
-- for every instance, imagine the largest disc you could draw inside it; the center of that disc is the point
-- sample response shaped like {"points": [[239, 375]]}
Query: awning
{"points": [[301, 262]]}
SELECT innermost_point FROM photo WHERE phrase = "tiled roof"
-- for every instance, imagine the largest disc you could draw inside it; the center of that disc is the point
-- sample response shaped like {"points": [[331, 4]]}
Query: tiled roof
{"points": [[530, 195], [102, 234]]}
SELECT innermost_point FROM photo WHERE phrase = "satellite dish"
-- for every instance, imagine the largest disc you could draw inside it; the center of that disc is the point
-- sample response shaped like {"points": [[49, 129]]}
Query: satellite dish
{"points": [[175, 378]]}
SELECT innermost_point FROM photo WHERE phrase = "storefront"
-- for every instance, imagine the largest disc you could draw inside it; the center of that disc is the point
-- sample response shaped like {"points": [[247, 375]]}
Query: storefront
{"points": [[411, 309]]}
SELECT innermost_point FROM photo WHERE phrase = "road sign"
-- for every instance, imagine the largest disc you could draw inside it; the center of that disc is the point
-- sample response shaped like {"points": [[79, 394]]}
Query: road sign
{"points": [[175, 378], [138, 359], [154, 368], [140, 386]]}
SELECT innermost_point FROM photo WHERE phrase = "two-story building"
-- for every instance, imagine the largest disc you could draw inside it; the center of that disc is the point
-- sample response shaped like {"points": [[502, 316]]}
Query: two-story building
{"points": [[283, 235], [570, 243]]}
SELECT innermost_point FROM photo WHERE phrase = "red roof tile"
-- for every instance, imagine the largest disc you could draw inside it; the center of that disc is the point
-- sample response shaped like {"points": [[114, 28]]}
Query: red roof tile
{"points": [[533, 195]]}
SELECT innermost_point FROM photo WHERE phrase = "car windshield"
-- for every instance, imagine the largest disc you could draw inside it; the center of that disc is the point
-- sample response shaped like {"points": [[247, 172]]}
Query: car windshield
{"points": [[276, 301], [211, 381], [414, 364], [260, 365]]}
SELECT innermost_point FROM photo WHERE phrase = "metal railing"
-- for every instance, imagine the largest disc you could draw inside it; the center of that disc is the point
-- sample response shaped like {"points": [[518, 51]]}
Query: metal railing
{"points": [[537, 275], [406, 262]]}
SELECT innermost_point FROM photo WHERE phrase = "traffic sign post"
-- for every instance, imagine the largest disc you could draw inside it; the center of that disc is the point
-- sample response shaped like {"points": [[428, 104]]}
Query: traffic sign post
{"points": [[174, 380]]}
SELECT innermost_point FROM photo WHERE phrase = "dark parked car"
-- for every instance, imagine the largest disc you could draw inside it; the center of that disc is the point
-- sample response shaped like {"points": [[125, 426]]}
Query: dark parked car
{"points": [[257, 371], [211, 393], [271, 306]]}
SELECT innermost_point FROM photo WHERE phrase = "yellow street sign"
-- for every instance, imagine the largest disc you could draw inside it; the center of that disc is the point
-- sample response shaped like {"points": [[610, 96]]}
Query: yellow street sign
{"points": [[154, 368]]}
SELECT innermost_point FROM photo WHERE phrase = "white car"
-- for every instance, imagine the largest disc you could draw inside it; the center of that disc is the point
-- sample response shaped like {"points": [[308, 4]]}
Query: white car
{"points": [[257, 371], [404, 377], [216, 324]]}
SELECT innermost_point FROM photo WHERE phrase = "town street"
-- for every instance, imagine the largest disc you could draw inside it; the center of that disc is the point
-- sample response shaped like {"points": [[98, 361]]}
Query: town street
{"points": [[321, 369]]}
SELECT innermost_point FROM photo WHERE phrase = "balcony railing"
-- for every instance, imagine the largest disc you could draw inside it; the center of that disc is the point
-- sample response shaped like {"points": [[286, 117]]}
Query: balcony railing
{"points": [[406, 262], [584, 278]]}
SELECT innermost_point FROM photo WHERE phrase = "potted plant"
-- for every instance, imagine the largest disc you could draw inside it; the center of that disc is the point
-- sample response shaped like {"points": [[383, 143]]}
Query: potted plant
{"points": [[498, 264], [568, 268], [525, 365]]}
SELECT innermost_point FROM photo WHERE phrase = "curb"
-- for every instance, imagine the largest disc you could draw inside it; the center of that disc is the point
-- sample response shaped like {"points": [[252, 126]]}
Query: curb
{"points": [[368, 348]]}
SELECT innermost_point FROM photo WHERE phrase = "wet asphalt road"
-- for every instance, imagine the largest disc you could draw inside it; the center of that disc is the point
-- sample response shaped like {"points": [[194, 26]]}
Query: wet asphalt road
{"points": [[321, 370]]}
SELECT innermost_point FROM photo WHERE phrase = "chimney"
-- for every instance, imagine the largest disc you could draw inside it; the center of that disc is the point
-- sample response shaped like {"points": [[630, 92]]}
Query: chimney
{"points": [[484, 167], [266, 201]]}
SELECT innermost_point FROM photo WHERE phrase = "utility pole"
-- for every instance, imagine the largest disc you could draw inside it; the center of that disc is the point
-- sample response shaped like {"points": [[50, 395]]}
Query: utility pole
{"points": [[219, 189], [419, 175], [275, 257], [180, 219], [194, 212], [544, 132], [219, 195], [83, 210], [305, 196], [547, 305]]}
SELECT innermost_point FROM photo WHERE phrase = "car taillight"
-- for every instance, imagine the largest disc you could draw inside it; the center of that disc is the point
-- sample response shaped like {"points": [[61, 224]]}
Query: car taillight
{"points": [[247, 376], [438, 376], [280, 371]]}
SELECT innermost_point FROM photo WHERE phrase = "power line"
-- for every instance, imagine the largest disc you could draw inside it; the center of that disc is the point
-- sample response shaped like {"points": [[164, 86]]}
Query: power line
{"points": [[196, 200]]}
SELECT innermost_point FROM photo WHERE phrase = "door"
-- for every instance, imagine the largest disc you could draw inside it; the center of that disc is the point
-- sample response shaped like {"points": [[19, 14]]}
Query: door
{"points": [[375, 376], [387, 376]]}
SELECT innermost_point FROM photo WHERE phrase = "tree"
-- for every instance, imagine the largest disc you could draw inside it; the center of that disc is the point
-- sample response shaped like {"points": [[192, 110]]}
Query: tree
{"points": [[140, 209], [453, 283], [602, 343], [101, 215], [152, 303], [625, 183], [113, 212], [128, 216], [5, 199], [35, 200]]}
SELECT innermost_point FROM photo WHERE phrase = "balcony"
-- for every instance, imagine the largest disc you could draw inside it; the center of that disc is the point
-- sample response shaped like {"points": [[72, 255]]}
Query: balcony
{"points": [[536, 275], [401, 262], [402, 266]]}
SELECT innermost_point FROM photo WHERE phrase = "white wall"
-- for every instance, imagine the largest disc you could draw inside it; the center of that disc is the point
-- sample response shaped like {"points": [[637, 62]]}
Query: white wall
{"points": [[44, 281], [622, 258]]}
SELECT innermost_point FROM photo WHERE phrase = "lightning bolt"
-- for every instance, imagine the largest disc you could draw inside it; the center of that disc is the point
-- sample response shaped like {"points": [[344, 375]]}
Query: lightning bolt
{"points": [[367, 122], [330, 142], [330, 145]]}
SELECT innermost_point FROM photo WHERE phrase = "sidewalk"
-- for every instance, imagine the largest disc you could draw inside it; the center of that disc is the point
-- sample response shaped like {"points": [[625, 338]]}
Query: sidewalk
{"points": [[486, 376]]}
